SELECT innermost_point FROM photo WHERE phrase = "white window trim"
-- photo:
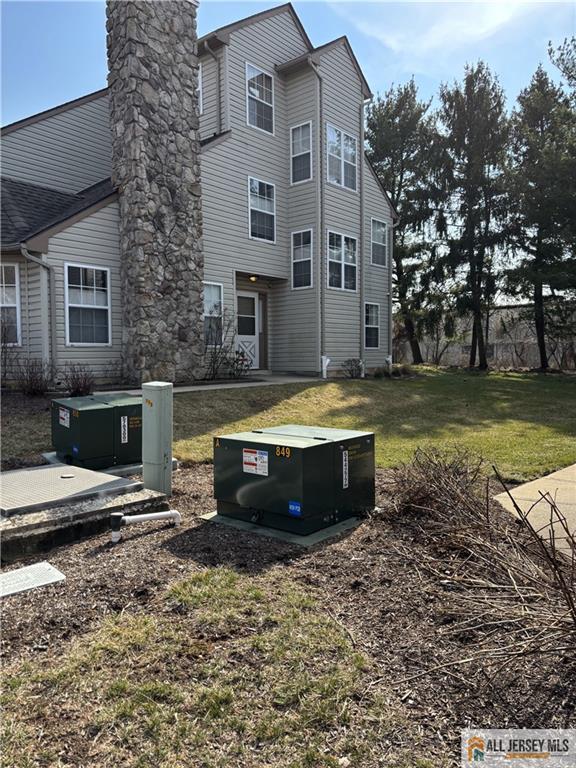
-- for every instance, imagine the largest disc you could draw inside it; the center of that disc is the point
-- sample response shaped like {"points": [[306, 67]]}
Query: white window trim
{"points": [[18, 342], [250, 96], [67, 305], [292, 156], [200, 97], [299, 232], [221, 286], [350, 136], [260, 239], [328, 260], [386, 244], [371, 304]]}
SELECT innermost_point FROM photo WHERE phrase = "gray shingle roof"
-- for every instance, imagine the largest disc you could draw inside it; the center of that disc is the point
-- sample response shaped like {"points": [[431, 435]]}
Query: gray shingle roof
{"points": [[28, 209]]}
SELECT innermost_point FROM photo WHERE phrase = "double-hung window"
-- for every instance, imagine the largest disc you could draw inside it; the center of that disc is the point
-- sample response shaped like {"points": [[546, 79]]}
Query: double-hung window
{"points": [[212, 314], [262, 210], [302, 259], [301, 153], [342, 157], [372, 326], [260, 99], [10, 304], [342, 261], [379, 243], [87, 305]]}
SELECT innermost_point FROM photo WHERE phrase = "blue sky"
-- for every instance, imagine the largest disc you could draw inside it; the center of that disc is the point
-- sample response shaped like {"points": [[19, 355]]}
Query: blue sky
{"points": [[56, 51]]}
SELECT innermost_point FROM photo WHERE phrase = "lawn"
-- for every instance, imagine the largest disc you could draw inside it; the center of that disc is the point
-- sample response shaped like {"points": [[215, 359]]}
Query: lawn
{"points": [[523, 423]]}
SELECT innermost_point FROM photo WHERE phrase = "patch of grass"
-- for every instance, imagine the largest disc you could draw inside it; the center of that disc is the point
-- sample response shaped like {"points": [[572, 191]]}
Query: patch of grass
{"points": [[523, 423], [283, 688]]}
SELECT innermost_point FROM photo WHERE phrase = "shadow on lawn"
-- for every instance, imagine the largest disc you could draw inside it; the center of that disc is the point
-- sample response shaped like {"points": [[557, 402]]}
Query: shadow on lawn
{"points": [[430, 405]]}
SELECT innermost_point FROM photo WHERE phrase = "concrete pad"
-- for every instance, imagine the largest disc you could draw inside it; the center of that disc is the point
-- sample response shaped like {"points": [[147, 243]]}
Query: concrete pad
{"points": [[26, 490], [290, 538], [561, 486], [29, 577]]}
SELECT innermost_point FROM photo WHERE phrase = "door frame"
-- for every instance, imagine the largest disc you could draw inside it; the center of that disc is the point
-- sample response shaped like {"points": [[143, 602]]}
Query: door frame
{"points": [[251, 295]]}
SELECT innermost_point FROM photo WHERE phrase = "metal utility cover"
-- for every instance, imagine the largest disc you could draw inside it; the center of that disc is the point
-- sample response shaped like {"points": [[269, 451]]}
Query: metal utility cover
{"points": [[24, 490], [29, 577]]}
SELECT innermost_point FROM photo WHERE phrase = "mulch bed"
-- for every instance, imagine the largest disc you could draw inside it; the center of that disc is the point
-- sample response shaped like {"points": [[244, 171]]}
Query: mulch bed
{"points": [[368, 580]]}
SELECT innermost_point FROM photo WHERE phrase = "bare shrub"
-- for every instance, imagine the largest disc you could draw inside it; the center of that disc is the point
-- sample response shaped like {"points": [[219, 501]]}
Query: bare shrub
{"points": [[514, 585], [33, 377], [353, 368], [78, 380]]}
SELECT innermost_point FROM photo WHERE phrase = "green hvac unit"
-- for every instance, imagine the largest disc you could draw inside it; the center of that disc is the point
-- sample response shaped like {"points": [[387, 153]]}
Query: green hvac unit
{"points": [[98, 431], [294, 478]]}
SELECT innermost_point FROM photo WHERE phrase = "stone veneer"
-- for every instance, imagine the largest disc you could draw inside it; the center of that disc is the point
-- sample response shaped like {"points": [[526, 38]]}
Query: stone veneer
{"points": [[153, 77]]}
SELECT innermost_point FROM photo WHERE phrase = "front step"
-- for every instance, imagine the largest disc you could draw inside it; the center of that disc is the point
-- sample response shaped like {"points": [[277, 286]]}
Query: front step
{"points": [[31, 532]]}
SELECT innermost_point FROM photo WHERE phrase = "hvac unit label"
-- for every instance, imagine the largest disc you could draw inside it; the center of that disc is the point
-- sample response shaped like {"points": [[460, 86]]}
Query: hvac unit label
{"points": [[344, 469], [123, 429], [64, 417], [255, 462]]}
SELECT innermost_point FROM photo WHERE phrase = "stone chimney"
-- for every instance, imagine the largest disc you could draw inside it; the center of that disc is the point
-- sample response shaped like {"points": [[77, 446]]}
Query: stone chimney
{"points": [[153, 77]]}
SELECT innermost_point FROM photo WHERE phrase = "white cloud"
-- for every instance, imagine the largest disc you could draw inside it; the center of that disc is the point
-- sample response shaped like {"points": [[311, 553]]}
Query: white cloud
{"points": [[434, 29]]}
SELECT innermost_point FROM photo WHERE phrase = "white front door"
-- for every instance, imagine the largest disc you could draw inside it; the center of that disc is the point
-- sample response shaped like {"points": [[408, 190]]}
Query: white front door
{"points": [[247, 317]]}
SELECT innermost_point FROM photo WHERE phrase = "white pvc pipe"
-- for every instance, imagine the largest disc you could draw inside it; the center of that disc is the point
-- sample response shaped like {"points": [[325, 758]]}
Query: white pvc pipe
{"points": [[325, 364], [170, 514]]}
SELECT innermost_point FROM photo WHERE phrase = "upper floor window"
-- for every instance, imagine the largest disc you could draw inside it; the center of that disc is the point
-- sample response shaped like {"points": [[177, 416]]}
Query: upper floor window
{"points": [[379, 239], [200, 99], [87, 305], [212, 314], [342, 152], [260, 98], [262, 210], [302, 259], [301, 153], [10, 304], [372, 326], [341, 261]]}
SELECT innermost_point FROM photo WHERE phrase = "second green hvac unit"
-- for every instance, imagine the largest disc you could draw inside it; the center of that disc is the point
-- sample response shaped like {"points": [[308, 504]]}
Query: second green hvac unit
{"points": [[294, 478], [98, 431]]}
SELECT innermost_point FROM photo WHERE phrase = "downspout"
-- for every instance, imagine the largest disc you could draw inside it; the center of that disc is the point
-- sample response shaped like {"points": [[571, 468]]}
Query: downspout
{"points": [[390, 318], [321, 238], [218, 83], [51, 300], [362, 255]]}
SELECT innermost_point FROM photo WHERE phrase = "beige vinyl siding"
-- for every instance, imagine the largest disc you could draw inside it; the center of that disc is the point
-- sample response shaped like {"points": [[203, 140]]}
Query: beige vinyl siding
{"points": [[294, 313], [209, 116], [68, 151], [93, 241], [376, 279], [342, 103]]}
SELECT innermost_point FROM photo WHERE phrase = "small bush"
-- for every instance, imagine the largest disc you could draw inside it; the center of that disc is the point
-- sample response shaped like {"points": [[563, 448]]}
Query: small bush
{"points": [[34, 377], [353, 368], [393, 372], [78, 380]]}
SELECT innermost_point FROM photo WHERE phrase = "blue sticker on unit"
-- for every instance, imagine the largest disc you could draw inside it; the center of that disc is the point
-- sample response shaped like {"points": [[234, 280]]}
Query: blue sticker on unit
{"points": [[75, 449], [294, 508]]}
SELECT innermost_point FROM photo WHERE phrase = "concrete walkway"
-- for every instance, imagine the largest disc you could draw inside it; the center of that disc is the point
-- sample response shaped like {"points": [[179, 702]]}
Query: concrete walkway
{"points": [[561, 486], [266, 380]]}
